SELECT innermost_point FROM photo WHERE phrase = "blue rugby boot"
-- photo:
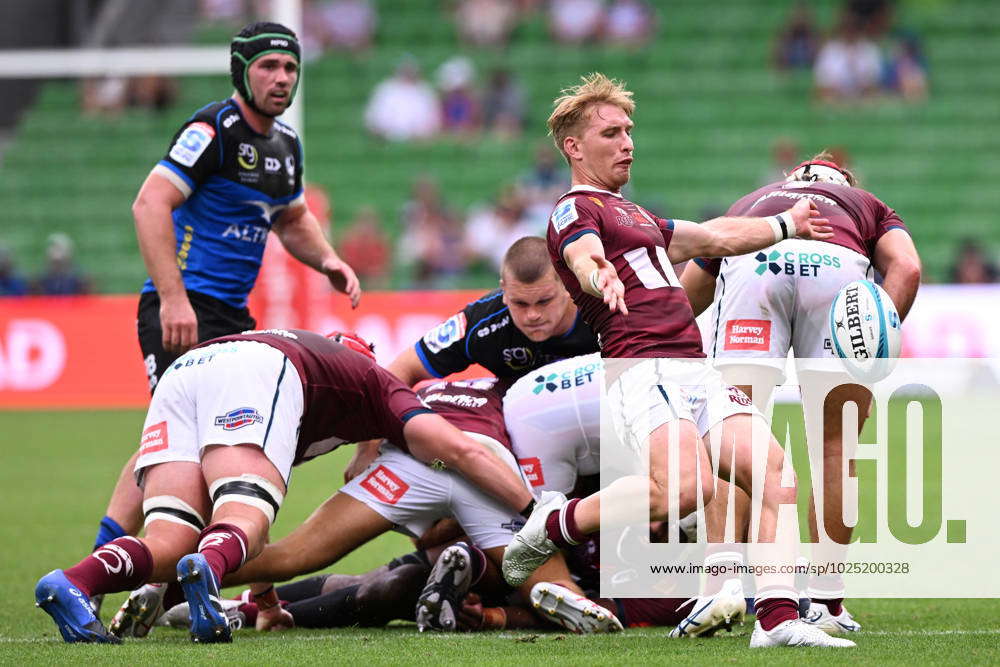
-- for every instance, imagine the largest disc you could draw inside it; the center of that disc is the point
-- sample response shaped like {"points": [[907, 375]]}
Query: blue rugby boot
{"points": [[70, 608], [208, 619]]}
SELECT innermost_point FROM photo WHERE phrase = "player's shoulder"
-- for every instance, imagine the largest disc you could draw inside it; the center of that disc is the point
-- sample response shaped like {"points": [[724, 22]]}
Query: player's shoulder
{"points": [[286, 131], [576, 203], [220, 115], [487, 306]]}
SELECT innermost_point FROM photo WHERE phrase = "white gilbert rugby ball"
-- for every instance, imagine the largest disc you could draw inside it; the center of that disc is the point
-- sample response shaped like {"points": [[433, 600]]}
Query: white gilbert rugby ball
{"points": [[864, 328]]}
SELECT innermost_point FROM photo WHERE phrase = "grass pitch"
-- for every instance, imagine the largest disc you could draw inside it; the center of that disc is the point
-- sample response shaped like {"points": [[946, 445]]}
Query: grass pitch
{"points": [[59, 467]]}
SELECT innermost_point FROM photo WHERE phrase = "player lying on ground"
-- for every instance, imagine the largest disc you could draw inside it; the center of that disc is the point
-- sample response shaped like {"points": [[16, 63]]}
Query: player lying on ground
{"points": [[785, 291], [397, 491], [226, 425], [615, 259]]}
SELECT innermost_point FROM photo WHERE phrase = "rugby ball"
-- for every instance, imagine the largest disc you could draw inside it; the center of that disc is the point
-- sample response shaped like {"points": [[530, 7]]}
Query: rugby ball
{"points": [[865, 331]]}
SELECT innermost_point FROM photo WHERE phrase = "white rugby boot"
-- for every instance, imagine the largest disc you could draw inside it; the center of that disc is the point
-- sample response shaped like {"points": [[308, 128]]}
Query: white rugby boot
{"points": [[531, 547], [711, 613], [819, 616], [140, 612], [795, 633], [574, 612]]}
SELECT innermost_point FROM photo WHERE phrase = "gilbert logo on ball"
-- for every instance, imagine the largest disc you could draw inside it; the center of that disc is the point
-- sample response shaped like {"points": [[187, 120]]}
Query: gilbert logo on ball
{"points": [[865, 330]]}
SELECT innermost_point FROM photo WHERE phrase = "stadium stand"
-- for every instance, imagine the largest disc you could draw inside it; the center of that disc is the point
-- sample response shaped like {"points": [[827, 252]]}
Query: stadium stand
{"points": [[707, 97]]}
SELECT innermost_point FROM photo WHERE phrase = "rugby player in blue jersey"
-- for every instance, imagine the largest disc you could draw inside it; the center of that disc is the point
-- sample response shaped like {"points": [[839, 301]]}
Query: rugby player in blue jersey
{"points": [[233, 173]]}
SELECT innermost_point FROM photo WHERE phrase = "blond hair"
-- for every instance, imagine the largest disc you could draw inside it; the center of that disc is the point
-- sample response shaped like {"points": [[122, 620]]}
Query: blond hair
{"points": [[572, 107]]}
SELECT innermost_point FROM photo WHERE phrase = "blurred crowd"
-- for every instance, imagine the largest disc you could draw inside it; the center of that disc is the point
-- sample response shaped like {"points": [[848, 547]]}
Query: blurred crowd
{"points": [[59, 277], [867, 55]]}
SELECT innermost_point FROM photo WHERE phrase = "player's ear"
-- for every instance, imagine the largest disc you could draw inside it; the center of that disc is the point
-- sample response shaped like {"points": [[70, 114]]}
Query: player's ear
{"points": [[571, 147]]}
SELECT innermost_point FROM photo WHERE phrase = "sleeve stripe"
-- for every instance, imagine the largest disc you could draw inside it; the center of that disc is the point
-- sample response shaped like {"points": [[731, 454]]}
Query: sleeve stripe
{"points": [[410, 414], [702, 262], [180, 180], [891, 227], [670, 224], [425, 361], [573, 237]]}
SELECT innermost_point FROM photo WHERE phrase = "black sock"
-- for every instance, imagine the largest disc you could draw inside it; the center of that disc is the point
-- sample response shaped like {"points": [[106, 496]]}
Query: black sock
{"points": [[302, 589], [418, 557], [336, 609]]}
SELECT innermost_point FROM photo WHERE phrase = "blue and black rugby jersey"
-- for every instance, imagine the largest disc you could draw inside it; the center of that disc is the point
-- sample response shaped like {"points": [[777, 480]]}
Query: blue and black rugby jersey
{"points": [[237, 184], [483, 333]]}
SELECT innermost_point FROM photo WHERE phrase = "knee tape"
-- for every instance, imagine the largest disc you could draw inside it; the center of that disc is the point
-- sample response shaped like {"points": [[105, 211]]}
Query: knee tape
{"points": [[171, 508], [252, 490]]}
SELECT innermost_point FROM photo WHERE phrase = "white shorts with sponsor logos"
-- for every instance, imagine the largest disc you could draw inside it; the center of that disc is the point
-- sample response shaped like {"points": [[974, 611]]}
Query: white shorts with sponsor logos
{"points": [[412, 495], [553, 417], [234, 393], [779, 299], [653, 392]]}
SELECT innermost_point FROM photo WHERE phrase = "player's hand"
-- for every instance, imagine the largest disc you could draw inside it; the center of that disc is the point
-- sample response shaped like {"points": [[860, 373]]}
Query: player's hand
{"points": [[364, 453], [470, 613], [343, 279], [809, 222], [273, 619], [179, 324], [612, 289]]}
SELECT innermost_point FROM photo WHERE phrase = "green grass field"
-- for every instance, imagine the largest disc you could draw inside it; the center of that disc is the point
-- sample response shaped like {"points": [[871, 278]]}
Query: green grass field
{"points": [[58, 469]]}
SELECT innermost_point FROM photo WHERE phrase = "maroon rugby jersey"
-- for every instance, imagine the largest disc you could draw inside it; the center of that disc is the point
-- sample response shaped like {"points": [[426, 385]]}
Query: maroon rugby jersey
{"points": [[469, 405], [660, 322], [859, 218], [347, 397]]}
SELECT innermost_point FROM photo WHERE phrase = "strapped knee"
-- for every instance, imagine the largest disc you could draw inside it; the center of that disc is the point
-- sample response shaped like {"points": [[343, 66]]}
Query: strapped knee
{"points": [[173, 509], [252, 490]]}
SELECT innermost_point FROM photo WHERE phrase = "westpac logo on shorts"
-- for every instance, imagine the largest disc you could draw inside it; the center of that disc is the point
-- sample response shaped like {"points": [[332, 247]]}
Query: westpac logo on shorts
{"points": [[238, 418], [806, 264], [747, 335], [385, 485]]}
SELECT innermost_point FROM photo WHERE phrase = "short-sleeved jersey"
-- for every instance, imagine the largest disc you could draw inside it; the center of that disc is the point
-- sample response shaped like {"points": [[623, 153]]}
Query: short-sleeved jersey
{"points": [[660, 322], [858, 218], [469, 405], [237, 183], [347, 397], [483, 333]]}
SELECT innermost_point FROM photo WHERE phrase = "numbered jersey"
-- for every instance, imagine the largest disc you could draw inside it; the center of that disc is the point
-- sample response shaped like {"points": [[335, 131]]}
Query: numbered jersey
{"points": [[236, 183], [660, 322]]}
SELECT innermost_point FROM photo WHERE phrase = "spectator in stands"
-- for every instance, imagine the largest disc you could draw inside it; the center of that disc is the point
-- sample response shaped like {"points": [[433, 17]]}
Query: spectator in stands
{"points": [[432, 242], [906, 69], [629, 23], [404, 107], [341, 25], [61, 276], [542, 184], [848, 66], [575, 21], [503, 104], [365, 246], [493, 228], [797, 41], [461, 113], [11, 282], [485, 23], [972, 265], [873, 17]]}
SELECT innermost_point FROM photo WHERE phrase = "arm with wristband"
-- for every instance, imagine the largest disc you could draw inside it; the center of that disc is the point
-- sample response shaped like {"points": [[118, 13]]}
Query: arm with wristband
{"points": [[724, 237]]}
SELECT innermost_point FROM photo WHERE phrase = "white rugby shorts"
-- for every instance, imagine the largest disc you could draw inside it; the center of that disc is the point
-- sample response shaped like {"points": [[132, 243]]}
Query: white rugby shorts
{"points": [[413, 495], [653, 392], [234, 393], [553, 417], [779, 299]]}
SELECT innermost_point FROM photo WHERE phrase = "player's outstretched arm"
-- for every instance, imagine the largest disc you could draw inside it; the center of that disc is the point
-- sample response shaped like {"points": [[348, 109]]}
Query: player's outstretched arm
{"points": [[897, 260], [431, 439], [154, 229], [300, 233], [699, 285], [597, 276], [724, 237]]}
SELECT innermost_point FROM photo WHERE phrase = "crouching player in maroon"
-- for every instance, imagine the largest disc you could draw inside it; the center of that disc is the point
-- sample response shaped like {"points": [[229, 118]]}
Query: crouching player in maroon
{"points": [[228, 421], [616, 258]]}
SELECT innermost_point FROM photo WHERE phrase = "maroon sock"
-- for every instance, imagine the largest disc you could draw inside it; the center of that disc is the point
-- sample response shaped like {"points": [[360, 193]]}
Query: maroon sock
{"points": [[120, 565], [478, 563], [773, 611], [224, 547], [834, 605], [561, 528]]}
